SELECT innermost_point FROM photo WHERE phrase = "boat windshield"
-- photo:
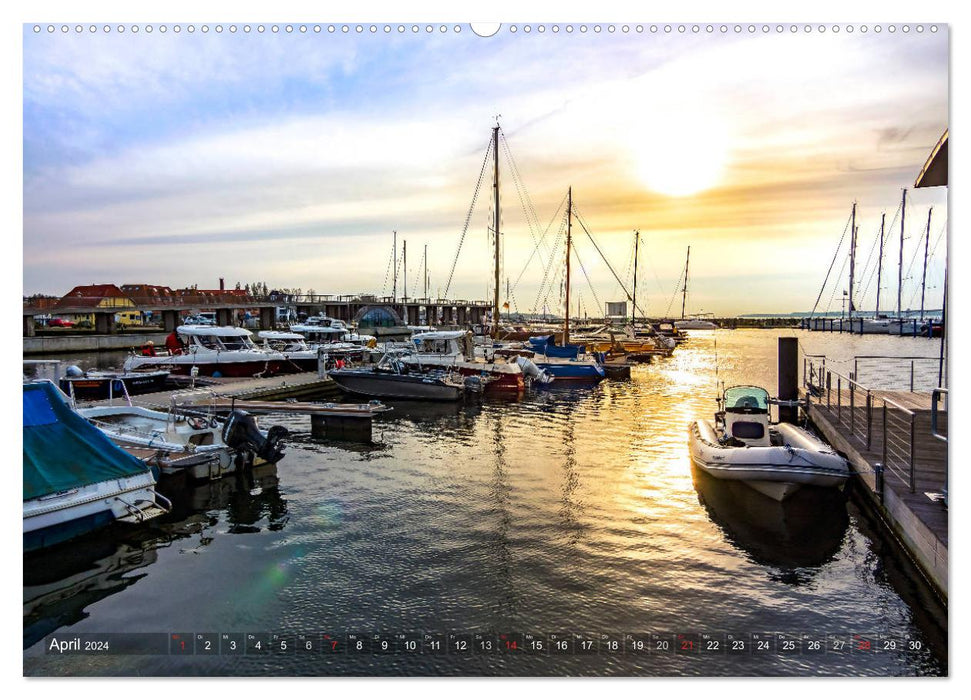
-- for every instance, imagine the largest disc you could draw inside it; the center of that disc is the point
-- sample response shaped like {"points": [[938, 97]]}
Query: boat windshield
{"points": [[237, 342], [751, 397]]}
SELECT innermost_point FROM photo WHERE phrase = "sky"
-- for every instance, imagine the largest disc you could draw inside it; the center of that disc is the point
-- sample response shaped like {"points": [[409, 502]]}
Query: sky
{"points": [[290, 158]]}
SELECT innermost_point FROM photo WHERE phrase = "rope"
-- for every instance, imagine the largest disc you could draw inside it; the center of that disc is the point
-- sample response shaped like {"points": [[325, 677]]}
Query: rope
{"points": [[589, 283], [549, 266], [525, 201], [468, 217], [607, 262], [387, 272], [542, 238], [821, 289]]}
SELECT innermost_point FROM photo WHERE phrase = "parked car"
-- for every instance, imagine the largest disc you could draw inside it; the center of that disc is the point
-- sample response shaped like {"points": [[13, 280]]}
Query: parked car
{"points": [[198, 321], [60, 323]]}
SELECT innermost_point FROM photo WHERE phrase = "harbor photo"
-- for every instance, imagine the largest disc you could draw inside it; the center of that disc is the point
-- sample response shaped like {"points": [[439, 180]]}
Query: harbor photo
{"points": [[530, 350]]}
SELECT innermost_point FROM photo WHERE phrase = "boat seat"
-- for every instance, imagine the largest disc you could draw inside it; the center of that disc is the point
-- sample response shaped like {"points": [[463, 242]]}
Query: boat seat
{"points": [[747, 430]]}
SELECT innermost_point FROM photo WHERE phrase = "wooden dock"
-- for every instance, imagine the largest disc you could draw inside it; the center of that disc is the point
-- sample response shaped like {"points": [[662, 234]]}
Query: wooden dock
{"points": [[302, 386], [890, 431]]}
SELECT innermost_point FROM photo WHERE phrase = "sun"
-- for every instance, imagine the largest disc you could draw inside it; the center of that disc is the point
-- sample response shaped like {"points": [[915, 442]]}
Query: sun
{"points": [[679, 153]]}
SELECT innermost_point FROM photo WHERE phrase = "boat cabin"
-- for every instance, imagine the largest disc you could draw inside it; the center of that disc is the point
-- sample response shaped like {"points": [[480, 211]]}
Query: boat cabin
{"points": [[325, 322], [447, 344], [215, 338], [281, 341], [745, 415], [319, 335]]}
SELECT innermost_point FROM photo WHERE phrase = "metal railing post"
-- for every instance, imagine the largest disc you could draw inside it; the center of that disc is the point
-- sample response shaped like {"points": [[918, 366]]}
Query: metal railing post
{"points": [[852, 409], [839, 398], [913, 471], [869, 420], [911, 376], [884, 434], [878, 480], [829, 385]]}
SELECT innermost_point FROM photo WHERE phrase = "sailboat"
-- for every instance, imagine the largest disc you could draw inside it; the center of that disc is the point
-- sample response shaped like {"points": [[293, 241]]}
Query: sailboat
{"points": [[566, 361], [692, 323]]}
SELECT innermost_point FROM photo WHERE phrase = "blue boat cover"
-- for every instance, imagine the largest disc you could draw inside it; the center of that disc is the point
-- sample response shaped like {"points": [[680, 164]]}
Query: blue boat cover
{"points": [[63, 451], [546, 344]]}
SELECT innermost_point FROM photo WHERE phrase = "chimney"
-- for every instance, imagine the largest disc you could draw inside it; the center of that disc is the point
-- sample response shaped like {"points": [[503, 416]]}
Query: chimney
{"points": [[222, 284]]}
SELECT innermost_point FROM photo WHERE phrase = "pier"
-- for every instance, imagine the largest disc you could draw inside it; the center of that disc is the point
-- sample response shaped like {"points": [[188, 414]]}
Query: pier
{"points": [[896, 443]]}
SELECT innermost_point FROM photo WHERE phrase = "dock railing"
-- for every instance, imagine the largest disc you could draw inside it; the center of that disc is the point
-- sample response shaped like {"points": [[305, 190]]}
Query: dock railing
{"points": [[844, 397], [898, 442]]}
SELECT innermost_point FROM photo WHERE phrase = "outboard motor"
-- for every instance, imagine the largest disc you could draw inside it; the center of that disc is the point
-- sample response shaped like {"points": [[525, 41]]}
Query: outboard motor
{"points": [[241, 433], [532, 372]]}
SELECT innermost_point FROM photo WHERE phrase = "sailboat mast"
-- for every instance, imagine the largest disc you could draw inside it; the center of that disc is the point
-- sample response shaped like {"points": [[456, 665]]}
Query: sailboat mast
{"points": [[852, 259], [569, 226], [404, 268], [923, 282], [495, 187], [883, 218], [900, 265], [684, 290], [425, 273], [394, 264], [637, 242]]}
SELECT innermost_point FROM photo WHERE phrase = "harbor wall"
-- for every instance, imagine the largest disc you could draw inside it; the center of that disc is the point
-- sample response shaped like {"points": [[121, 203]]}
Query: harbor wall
{"points": [[49, 345]]}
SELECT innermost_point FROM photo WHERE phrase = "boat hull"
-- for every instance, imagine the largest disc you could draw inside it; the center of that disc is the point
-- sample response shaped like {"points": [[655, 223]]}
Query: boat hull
{"points": [[573, 370], [395, 386], [214, 367], [97, 388], [505, 377], [776, 471], [63, 516]]}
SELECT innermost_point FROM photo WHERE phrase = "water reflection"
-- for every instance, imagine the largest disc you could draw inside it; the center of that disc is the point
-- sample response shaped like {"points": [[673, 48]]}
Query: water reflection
{"points": [[61, 583], [796, 536]]}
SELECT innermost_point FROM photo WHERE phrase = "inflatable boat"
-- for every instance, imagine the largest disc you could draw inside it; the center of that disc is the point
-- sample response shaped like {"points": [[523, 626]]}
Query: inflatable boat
{"points": [[774, 459]]}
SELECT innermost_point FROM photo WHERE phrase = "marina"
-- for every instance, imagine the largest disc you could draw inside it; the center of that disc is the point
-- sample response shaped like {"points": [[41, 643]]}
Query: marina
{"points": [[472, 496], [344, 361]]}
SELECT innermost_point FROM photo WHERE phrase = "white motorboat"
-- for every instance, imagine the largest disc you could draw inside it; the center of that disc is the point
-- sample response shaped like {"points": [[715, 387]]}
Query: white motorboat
{"points": [[292, 346], [187, 440], [216, 351], [775, 459], [695, 324], [336, 340], [74, 479], [454, 350]]}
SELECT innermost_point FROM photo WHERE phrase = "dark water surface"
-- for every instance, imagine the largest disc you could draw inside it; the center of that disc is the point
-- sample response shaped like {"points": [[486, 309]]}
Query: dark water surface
{"points": [[572, 510]]}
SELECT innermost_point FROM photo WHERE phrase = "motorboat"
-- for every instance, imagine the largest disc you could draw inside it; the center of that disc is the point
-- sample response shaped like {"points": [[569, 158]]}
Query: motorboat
{"points": [[292, 346], [213, 351], [775, 459], [695, 324], [97, 385], [393, 379], [336, 340], [454, 350], [189, 439], [75, 480]]}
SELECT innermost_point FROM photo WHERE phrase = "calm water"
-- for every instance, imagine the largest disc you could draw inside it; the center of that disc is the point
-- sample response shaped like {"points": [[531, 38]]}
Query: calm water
{"points": [[573, 510]]}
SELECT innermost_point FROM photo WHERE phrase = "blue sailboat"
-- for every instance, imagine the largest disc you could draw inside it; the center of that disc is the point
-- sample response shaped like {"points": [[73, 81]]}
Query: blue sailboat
{"points": [[75, 479], [566, 361]]}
